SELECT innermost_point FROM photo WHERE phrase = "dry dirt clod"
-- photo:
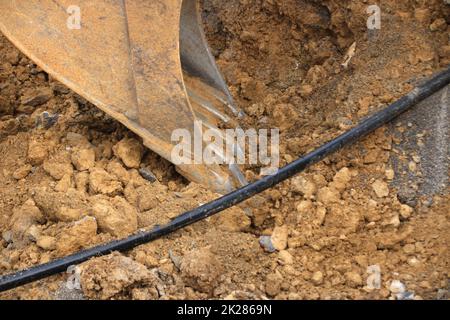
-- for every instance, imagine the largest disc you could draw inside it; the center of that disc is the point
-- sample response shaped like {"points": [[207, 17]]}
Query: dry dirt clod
{"points": [[285, 258], [115, 216], [57, 170], [77, 140], [23, 218], [273, 284], [305, 186], [232, 220], [406, 211], [22, 172], [61, 206], [78, 235], [36, 97], [317, 278], [279, 237], [83, 159], [105, 277], [341, 179], [381, 188], [130, 151], [37, 152], [6, 108], [102, 182], [116, 168], [200, 269], [438, 25], [46, 243], [328, 195], [353, 279]]}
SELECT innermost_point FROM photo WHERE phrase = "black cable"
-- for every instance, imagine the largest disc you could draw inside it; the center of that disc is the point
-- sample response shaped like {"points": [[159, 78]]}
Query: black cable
{"points": [[365, 127]]}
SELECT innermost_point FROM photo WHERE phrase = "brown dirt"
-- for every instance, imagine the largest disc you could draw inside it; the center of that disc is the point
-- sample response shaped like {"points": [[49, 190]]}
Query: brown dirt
{"points": [[75, 183]]}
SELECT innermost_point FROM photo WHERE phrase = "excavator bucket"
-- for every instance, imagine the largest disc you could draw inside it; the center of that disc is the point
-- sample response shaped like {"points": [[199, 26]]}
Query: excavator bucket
{"points": [[145, 63]]}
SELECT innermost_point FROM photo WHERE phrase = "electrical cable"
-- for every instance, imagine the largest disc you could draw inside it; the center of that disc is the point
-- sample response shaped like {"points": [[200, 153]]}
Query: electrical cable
{"points": [[367, 126]]}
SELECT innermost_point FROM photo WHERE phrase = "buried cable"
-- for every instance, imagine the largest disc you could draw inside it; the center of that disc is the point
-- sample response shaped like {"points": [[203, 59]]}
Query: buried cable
{"points": [[367, 126]]}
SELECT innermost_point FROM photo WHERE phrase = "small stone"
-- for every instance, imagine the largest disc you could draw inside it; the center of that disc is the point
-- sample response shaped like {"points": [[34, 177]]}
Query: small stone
{"points": [[406, 296], [266, 244], [328, 195], [117, 169], [412, 166], [317, 278], [407, 196], [7, 236], [83, 159], [397, 287], [37, 152], [390, 174], [82, 181], [341, 179], [23, 217], [305, 90], [46, 243], [409, 249], [413, 262], [36, 97], [305, 207], [130, 151], [321, 214], [285, 258], [381, 188], [394, 221], [148, 175], [438, 25], [353, 279], [279, 237], [273, 284], [22, 172], [147, 259], [304, 186], [33, 233], [46, 120], [406, 211]]}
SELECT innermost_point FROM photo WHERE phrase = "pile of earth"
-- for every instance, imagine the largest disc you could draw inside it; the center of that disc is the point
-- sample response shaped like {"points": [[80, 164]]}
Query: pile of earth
{"points": [[72, 177]]}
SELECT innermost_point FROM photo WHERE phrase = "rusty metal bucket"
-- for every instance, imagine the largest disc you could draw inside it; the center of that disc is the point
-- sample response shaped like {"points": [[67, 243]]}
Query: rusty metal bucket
{"points": [[145, 63]]}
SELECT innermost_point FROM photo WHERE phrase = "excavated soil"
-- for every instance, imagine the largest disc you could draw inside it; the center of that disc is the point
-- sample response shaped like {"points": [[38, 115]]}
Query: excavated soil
{"points": [[71, 177]]}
